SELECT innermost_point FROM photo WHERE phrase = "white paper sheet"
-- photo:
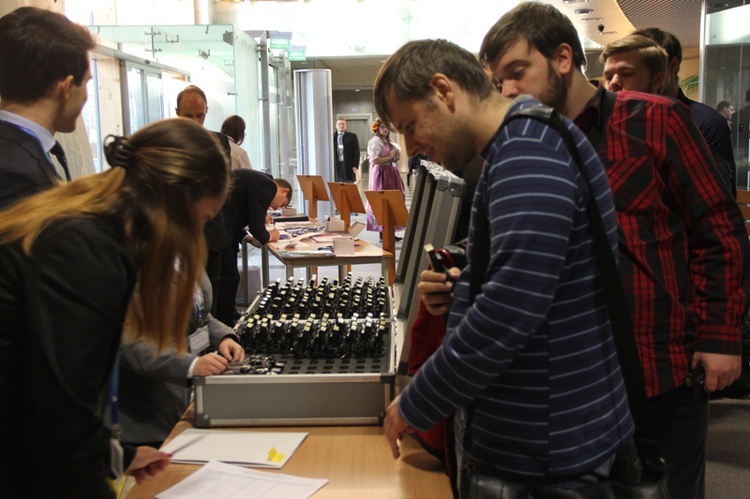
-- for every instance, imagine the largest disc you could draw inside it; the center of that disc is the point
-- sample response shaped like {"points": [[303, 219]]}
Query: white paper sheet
{"points": [[218, 480], [240, 447]]}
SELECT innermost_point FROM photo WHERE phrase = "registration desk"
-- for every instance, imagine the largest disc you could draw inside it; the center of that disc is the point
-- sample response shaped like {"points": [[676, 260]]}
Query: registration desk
{"points": [[356, 460]]}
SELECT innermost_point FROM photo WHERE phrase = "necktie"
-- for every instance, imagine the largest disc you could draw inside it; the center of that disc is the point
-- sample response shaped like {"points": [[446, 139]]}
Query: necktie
{"points": [[57, 150], [341, 138]]}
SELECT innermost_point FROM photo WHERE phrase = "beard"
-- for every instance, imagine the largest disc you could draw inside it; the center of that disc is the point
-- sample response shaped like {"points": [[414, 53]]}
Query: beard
{"points": [[556, 93], [458, 148]]}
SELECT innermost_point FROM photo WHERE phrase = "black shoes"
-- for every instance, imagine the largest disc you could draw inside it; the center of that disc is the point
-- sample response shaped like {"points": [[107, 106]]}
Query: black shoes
{"points": [[396, 237]]}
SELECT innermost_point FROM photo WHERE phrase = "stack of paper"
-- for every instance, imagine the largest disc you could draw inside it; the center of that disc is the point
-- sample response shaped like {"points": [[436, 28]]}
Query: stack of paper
{"points": [[261, 449], [223, 481]]}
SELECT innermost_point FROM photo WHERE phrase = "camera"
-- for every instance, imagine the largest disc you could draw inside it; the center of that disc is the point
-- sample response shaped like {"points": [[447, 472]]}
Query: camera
{"points": [[600, 28]]}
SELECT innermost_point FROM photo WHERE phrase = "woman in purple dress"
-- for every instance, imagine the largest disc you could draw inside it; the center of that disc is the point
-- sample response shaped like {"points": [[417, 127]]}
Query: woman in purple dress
{"points": [[384, 175]]}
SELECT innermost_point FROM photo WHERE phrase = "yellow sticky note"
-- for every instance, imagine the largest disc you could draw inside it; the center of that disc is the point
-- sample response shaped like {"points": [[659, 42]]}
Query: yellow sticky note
{"points": [[274, 455]]}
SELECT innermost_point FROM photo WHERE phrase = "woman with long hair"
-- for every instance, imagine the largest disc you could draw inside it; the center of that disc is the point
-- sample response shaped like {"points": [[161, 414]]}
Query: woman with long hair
{"points": [[79, 263], [383, 155]]}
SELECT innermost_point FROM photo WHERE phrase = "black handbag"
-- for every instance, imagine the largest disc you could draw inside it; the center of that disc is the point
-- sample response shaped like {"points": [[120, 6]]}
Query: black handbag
{"points": [[638, 471]]}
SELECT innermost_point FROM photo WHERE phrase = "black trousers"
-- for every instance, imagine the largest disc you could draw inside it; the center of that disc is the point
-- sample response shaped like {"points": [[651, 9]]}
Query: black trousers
{"points": [[213, 269], [227, 288], [681, 424]]}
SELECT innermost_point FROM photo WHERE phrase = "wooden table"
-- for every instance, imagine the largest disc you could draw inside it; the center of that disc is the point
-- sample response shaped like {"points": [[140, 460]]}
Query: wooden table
{"points": [[363, 253], [356, 460]]}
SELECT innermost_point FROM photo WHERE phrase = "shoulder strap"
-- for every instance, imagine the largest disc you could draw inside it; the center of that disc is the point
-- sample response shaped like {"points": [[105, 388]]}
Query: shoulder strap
{"points": [[645, 434]]}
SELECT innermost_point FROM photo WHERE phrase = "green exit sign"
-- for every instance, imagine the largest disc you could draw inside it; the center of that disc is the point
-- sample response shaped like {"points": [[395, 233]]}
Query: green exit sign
{"points": [[281, 43], [296, 55]]}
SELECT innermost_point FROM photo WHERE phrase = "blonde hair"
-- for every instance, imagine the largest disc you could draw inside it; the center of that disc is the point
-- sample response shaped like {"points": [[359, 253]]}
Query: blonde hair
{"points": [[162, 171], [652, 55]]}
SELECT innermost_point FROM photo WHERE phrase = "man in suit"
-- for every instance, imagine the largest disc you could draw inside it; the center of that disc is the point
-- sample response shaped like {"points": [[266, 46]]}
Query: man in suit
{"points": [[250, 197], [44, 68], [346, 152], [192, 104]]}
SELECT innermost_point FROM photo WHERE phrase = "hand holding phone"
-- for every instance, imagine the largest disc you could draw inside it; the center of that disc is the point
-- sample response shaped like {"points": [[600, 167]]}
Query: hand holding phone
{"points": [[436, 260]]}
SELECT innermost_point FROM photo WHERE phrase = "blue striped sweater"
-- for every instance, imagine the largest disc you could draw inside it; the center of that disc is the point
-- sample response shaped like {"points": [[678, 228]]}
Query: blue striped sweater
{"points": [[535, 350]]}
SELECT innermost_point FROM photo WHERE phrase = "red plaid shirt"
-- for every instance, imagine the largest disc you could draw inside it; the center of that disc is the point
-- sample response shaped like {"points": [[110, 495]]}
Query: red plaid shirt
{"points": [[683, 246]]}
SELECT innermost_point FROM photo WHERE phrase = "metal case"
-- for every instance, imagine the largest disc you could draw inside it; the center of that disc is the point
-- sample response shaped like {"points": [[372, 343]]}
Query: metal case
{"points": [[307, 391], [432, 219]]}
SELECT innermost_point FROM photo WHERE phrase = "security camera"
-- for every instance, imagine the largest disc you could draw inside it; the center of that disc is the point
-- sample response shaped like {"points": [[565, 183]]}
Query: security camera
{"points": [[600, 28]]}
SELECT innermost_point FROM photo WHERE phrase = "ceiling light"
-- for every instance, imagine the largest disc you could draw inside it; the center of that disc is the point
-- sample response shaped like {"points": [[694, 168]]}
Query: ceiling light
{"points": [[591, 19], [581, 12], [575, 1]]}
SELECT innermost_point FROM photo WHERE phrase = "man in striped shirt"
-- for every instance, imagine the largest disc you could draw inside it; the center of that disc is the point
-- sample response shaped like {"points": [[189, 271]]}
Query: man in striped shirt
{"points": [[682, 242], [532, 354]]}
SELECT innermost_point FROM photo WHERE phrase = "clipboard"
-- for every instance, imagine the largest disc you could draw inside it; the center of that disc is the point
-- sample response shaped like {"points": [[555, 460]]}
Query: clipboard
{"points": [[390, 211], [347, 200]]}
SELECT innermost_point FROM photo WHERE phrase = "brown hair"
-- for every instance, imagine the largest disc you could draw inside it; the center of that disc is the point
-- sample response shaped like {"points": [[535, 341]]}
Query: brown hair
{"points": [[651, 54], [408, 72], [234, 127], [722, 104], [664, 39], [37, 49], [541, 25], [284, 184], [167, 167]]}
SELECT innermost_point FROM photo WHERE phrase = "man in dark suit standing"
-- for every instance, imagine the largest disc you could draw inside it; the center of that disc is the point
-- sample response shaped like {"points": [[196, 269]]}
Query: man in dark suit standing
{"points": [[192, 104], [346, 152], [44, 68]]}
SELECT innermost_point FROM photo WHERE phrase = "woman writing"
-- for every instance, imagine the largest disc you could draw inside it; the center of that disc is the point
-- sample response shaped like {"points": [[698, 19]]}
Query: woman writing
{"points": [[383, 155], [77, 263]]}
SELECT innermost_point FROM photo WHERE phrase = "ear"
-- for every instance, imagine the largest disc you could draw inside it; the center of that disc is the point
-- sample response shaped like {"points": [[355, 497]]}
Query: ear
{"points": [[177, 111], [563, 59], [657, 82], [62, 87], [443, 89]]}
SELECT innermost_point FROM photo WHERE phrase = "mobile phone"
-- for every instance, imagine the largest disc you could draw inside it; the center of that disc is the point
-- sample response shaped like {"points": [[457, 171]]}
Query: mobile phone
{"points": [[435, 259]]}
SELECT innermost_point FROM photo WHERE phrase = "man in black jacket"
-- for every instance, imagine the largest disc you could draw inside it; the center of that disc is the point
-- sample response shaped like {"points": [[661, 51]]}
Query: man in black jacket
{"points": [[253, 193], [44, 68], [345, 152]]}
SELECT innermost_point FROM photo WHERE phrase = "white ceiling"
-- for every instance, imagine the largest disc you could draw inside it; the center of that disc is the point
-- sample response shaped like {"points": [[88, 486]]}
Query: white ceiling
{"points": [[619, 18]]}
